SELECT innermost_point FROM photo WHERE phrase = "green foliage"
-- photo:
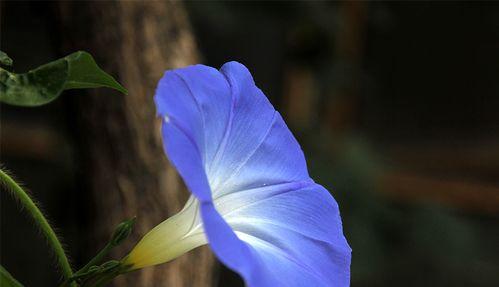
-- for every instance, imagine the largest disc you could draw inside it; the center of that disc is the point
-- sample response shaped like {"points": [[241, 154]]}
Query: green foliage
{"points": [[4, 59], [84, 73], [6, 280], [45, 83]]}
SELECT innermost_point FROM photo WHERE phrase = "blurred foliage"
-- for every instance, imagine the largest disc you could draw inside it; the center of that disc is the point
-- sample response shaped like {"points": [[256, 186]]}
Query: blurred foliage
{"points": [[409, 244], [5, 59]]}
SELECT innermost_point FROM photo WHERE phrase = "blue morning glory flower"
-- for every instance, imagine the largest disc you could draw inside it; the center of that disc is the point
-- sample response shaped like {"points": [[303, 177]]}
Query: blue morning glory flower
{"points": [[252, 198]]}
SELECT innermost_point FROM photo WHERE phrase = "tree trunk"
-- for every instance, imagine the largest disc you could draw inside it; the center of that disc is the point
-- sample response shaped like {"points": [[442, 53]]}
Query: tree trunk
{"points": [[125, 169]]}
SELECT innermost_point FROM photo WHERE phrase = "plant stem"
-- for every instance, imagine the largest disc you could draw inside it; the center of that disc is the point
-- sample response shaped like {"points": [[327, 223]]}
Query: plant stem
{"points": [[98, 258], [40, 220], [7, 280]]}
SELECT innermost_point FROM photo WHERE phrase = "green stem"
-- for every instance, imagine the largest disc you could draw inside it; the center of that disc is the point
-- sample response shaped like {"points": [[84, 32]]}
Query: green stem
{"points": [[98, 258], [42, 222], [7, 280]]}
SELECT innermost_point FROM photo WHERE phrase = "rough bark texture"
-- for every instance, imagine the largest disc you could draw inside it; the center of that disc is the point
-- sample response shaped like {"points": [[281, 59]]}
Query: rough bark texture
{"points": [[124, 162]]}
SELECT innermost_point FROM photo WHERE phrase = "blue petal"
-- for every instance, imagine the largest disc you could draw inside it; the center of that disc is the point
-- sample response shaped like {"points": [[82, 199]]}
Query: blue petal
{"points": [[300, 227], [262, 214]]}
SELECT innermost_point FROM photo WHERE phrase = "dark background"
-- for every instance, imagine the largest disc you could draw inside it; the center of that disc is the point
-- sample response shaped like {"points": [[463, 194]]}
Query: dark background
{"points": [[395, 104]]}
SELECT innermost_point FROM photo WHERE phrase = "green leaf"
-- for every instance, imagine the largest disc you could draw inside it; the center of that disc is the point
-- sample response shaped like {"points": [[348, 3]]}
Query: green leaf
{"points": [[36, 87], [6, 280], [45, 83], [84, 73], [4, 59]]}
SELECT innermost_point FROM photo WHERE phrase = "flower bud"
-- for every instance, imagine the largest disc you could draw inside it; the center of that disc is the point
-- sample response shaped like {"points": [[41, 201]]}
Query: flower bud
{"points": [[122, 231]]}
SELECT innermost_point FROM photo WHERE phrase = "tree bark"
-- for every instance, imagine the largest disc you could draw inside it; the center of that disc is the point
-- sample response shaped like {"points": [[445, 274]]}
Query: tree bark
{"points": [[126, 171]]}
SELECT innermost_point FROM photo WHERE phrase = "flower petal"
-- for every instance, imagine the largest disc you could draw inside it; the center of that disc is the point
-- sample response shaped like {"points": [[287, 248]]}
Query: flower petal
{"points": [[299, 227], [261, 213], [195, 105]]}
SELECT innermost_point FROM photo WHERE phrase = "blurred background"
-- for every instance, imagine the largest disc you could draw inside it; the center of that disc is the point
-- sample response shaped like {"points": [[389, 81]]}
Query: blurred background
{"points": [[395, 104]]}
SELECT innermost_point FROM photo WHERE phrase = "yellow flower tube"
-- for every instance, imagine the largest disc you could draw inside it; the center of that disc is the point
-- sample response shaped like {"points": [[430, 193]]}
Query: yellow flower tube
{"points": [[170, 239]]}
